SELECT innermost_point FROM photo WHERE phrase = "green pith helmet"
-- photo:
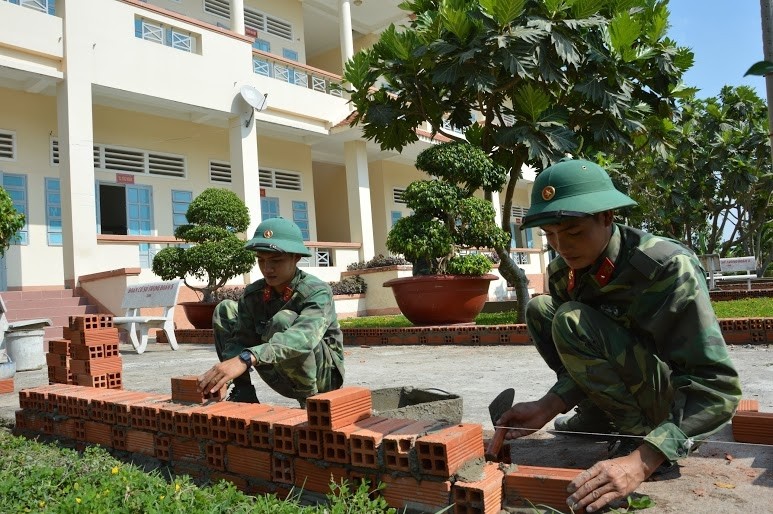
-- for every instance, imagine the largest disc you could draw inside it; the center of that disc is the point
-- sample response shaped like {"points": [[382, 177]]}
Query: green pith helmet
{"points": [[278, 235], [572, 188]]}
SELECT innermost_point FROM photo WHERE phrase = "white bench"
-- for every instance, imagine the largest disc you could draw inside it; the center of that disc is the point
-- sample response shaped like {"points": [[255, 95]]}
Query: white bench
{"points": [[747, 264], [149, 295]]}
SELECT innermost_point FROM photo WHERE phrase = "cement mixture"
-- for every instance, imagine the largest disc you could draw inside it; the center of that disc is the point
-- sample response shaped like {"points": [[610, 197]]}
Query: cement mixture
{"points": [[721, 477]]}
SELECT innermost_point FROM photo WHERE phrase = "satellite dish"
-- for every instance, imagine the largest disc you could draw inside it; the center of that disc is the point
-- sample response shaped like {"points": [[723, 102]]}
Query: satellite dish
{"points": [[254, 99]]}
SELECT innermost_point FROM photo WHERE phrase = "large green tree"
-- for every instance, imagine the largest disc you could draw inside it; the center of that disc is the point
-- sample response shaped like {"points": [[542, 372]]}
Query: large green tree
{"points": [[712, 188], [542, 78]]}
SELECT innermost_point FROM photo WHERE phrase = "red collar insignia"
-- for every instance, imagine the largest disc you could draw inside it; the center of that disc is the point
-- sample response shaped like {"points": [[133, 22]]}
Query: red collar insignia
{"points": [[287, 293], [266, 293], [571, 280], [604, 274]]}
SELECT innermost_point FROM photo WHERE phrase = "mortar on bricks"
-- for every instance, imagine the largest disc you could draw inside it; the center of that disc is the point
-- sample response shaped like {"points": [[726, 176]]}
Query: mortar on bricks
{"points": [[419, 404]]}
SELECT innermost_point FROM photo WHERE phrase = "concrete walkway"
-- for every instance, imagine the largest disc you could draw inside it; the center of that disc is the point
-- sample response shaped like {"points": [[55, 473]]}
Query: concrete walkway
{"points": [[723, 476]]}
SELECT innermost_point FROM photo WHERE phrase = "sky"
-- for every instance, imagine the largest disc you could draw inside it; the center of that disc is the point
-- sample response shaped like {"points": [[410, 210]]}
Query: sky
{"points": [[726, 38]]}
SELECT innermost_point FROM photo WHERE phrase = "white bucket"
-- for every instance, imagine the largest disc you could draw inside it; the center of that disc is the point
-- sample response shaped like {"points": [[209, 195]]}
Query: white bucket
{"points": [[25, 348]]}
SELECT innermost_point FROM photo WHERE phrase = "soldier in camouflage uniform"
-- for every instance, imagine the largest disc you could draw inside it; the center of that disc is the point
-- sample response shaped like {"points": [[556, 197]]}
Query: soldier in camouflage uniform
{"points": [[284, 325], [630, 332]]}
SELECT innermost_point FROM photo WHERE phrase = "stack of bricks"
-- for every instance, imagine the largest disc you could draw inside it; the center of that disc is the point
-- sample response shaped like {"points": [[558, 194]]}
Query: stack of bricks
{"points": [[752, 426], [425, 465], [89, 355]]}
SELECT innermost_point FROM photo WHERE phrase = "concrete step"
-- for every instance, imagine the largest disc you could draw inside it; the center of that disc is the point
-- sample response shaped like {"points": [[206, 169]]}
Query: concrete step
{"points": [[56, 305]]}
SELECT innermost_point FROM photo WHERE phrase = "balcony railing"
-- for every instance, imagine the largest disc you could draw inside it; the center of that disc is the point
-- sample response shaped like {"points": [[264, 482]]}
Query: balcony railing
{"points": [[46, 6], [296, 73]]}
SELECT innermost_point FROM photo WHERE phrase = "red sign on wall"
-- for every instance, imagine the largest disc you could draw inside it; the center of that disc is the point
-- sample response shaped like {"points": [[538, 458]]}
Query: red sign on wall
{"points": [[124, 178], [262, 192], [250, 32]]}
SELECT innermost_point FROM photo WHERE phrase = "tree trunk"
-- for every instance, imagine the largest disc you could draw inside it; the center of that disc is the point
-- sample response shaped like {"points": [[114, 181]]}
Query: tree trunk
{"points": [[507, 266]]}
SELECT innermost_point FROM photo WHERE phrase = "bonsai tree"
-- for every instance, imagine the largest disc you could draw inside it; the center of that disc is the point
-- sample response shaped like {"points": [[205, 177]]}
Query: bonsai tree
{"points": [[446, 216], [214, 218], [11, 221]]}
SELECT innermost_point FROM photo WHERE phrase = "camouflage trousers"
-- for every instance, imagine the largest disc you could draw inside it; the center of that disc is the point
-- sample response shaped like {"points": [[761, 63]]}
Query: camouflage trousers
{"points": [[618, 373], [279, 376]]}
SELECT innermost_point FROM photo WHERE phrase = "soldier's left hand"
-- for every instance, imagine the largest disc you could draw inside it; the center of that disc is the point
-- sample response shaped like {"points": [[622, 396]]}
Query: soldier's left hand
{"points": [[611, 480], [220, 374]]}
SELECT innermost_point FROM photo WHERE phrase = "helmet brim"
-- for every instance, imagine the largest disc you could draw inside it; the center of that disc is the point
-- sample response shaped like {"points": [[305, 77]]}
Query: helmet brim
{"points": [[259, 244], [575, 206]]}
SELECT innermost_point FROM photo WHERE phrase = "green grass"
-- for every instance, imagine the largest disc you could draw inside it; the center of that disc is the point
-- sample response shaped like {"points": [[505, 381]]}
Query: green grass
{"points": [[747, 308], [47, 478]]}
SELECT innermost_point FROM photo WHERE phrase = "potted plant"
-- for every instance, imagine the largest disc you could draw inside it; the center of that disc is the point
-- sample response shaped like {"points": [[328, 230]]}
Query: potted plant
{"points": [[215, 253], [447, 286]]}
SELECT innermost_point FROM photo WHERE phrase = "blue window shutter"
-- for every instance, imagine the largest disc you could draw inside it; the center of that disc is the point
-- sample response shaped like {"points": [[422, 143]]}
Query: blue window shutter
{"points": [[52, 7], [168, 36], [138, 28]]}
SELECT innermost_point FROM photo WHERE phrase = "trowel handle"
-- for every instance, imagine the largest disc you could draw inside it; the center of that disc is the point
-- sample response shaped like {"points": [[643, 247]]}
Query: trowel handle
{"points": [[492, 452]]}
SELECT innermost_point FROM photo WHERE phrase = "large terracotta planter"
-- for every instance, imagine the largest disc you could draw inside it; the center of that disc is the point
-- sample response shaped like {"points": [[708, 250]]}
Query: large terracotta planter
{"points": [[199, 313], [440, 299]]}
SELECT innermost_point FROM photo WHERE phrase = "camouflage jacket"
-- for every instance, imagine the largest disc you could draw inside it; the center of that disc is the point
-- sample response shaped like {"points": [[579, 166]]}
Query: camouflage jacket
{"points": [[656, 288], [316, 324]]}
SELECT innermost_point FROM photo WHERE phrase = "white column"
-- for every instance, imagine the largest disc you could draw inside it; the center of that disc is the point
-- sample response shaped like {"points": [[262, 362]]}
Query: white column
{"points": [[76, 150], [347, 43], [244, 171], [358, 194], [497, 207], [237, 16]]}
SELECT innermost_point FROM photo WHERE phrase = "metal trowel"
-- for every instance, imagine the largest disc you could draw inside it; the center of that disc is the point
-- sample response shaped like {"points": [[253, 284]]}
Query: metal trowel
{"points": [[496, 408]]}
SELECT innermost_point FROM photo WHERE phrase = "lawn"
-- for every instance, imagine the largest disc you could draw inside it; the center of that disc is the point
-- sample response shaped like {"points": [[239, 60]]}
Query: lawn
{"points": [[747, 308]]}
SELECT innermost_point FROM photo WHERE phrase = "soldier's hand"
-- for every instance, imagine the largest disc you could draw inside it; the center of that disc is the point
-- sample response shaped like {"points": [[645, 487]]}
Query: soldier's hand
{"points": [[220, 374], [613, 479], [526, 417]]}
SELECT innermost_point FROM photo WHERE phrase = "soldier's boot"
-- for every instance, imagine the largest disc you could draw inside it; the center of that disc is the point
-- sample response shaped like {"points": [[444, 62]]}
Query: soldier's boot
{"points": [[242, 391], [588, 418]]}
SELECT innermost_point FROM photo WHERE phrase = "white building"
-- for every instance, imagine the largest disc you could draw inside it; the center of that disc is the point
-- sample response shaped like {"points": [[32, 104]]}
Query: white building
{"points": [[114, 114]]}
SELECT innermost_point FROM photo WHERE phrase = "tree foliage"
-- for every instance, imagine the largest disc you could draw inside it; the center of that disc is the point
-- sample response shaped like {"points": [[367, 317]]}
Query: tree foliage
{"points": [[446, 217], [11, 221], [541, 77], [216, 254], [713, 186]]}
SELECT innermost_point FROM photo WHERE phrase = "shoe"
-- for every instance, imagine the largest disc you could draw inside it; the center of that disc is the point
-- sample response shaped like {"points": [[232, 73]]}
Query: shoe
{"points": [[620, 447], [587, 419], [242, 394]]}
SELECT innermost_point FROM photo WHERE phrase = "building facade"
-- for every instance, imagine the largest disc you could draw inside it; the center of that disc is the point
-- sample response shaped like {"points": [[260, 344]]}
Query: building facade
{"points": [[115, 114]]}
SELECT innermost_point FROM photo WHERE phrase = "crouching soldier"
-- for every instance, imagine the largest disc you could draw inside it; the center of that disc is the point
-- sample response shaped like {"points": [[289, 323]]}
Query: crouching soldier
{"points": [[284, 325]]}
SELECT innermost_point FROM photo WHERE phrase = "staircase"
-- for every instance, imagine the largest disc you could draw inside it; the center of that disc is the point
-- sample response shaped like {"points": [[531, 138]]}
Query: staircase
{"points": [[56, 305]]}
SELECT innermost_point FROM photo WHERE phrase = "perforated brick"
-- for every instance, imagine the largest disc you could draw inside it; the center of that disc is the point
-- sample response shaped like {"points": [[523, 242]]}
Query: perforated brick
{"points": [[442, 453], [532, 485], [483, 496], [248, 461], [338, 408], [336, 444], [366, 444]]}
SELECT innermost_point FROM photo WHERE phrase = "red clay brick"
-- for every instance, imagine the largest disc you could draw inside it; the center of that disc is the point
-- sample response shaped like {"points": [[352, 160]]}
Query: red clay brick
{"points": [[119, 437], [753, 427], [201, 418], [533, 485], [399, 446], [309, 442], [54, 360], [139, 441], [480, 497], [262, 426], [285, 433], [59, 347], [96, 366], [96, 336], [6, 385], [282, 468], [366, 444], [90, 322], [336, 444], [248, 461], [336, 409], [98, 433], [442, 453], [215, 453], [748, 405], [239, 426], [314, 476], [185, 450], [424, 495]]}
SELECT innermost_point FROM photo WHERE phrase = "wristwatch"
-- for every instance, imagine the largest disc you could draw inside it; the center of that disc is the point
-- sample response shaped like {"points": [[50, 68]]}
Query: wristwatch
{"points": [[246, 357]]}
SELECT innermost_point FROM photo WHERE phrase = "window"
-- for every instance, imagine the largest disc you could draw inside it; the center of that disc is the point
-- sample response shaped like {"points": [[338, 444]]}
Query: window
{"points": [[180, 202], [396, 215], [262, 45], [397, 194], [269, 207], [157, 32], [266, 23], [220, 171], [126, 210], [16, 186], [280, 180], [53, 212], [301, 217], [7, 145]]}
